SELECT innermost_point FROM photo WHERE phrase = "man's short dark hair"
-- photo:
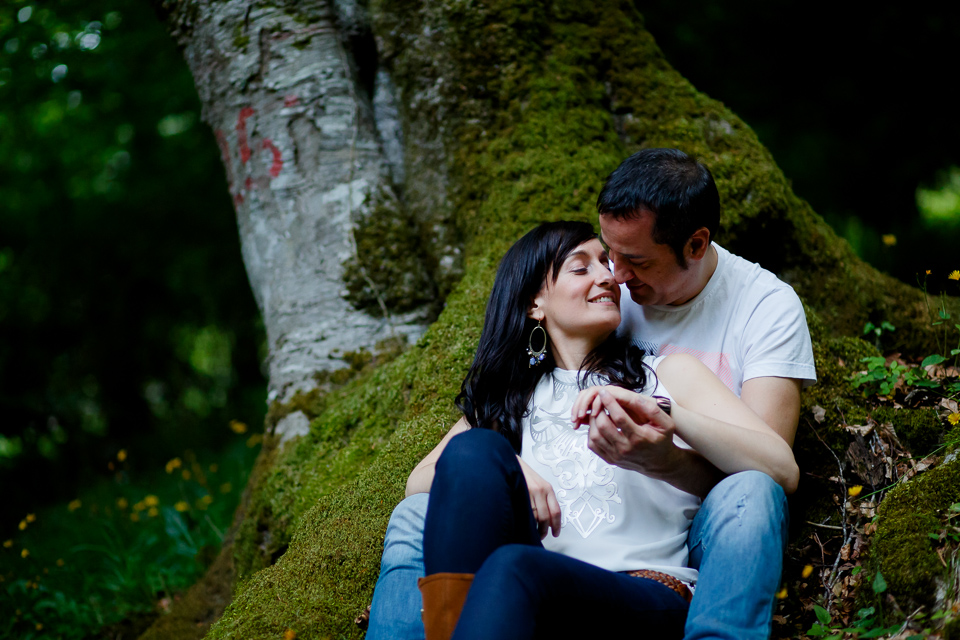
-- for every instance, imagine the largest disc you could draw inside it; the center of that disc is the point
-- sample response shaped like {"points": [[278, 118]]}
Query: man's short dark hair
{"points": [[676, 188]]}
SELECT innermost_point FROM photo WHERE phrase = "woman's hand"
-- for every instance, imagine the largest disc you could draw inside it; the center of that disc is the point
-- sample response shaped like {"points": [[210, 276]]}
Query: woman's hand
{"points": [[543, 501]]}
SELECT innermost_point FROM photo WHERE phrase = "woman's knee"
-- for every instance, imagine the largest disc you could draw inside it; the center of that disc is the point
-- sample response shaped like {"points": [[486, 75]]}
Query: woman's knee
{"points": [[474, 451]]}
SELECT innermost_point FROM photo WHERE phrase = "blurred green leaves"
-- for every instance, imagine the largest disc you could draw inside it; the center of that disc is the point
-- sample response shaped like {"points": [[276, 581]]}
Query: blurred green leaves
{"points": [[125, 314]]}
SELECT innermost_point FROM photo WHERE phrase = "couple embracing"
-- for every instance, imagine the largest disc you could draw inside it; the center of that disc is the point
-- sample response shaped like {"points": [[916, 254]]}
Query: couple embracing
{"points": [[624, 455]]}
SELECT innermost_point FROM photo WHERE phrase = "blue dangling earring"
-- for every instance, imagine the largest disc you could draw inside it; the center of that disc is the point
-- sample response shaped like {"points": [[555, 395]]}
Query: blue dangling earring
{"points": [[537, 356]]}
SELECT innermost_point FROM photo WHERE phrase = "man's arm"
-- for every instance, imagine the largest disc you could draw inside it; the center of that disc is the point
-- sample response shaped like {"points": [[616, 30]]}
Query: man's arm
{"points": [[776, 401], [630, 430]]}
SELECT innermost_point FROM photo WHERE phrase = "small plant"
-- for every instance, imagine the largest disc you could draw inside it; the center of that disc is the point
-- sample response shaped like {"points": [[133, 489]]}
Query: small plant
{"points": [[867, 623], [882, 379], [876, 331]]}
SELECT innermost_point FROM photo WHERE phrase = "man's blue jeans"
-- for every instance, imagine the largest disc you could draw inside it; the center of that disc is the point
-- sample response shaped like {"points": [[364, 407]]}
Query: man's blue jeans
{"points": [[736, 541]]}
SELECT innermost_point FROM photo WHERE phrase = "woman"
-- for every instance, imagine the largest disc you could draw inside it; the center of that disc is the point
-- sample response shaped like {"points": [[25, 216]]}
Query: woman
{"points": [[549, 334]]}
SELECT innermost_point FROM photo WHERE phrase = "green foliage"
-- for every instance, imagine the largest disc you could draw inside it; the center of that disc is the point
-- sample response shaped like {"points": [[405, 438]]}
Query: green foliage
{"points": [[881, 378], [126, 320], [867, 623], [119, 547]]}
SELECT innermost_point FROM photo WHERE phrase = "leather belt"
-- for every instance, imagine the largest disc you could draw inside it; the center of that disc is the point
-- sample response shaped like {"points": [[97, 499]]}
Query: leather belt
{"points": [[672, 583]]}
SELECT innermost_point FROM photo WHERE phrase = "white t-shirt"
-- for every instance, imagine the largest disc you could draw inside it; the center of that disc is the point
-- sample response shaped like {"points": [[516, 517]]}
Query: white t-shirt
{"points": [[613, 518], [746, 323]]}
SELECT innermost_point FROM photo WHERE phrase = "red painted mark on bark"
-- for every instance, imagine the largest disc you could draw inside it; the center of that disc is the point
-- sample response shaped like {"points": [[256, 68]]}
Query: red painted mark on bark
{"points": [[277, 165], [245, 113], [238, 199], [248, 183], [291, 101]]}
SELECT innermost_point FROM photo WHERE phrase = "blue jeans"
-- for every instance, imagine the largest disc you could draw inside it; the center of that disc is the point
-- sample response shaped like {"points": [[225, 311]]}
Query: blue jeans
{"points": [[736, 541]]}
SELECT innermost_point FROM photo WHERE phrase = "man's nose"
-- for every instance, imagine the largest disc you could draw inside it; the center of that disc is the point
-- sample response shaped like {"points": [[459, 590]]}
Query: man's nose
{"points": [[621, 273]]}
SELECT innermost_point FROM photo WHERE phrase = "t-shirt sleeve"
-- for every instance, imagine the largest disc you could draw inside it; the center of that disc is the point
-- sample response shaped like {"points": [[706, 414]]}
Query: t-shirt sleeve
{"points": [[777, 340]]}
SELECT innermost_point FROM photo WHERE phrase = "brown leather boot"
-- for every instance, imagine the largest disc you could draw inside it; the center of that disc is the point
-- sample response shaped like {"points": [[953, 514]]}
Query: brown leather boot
{"points": [[443, 598]]}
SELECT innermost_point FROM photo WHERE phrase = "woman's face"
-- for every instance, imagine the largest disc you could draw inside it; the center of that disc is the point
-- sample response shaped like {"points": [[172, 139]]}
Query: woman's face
{"points": [[584, 302]]}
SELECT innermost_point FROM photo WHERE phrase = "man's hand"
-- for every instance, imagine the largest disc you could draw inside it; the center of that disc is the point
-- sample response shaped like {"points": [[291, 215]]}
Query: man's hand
{"points": [[543, 501], [628, 430]]}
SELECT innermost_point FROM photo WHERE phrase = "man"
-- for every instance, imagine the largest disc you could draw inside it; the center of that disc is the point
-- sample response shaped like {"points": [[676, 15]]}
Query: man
{"points": [[659, 211]]}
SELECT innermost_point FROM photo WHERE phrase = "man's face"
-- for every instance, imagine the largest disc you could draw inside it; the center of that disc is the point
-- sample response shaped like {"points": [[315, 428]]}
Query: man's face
{"points": [[648, 269]]}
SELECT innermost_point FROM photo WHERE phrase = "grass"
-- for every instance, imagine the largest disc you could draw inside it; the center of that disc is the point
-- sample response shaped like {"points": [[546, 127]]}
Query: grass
{"points": [[122, 549]]}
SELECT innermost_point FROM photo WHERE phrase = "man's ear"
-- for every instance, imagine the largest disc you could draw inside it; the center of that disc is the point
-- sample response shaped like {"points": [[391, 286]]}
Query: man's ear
{"points": [[698, 244]]}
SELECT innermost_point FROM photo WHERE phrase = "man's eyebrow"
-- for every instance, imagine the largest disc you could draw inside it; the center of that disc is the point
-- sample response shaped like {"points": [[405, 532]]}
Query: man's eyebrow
{"points": [[628, 256]]}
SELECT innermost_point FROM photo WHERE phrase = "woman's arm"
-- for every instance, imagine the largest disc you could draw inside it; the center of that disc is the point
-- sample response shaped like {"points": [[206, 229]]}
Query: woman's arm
{"points": [[422, 475]]}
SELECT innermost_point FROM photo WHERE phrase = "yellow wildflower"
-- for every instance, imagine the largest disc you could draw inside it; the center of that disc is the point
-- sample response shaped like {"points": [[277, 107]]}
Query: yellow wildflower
{"points": [[60, 562], [782, 594], [22, 525], [24, 553], [927, 272], [151, 501], [889, 239], [7, 544], [153, 512], [953, 418], [185, 474], [122, 503], [31, 517], [289, 634], [122, 455], [135, 517], [254, 440], [174, 464], [807, 570], [954, 275], [181, 506], [238, 427], [214, 468], [226, 487], [207, 499], [855, 490], [74, 505], [39, 624]]}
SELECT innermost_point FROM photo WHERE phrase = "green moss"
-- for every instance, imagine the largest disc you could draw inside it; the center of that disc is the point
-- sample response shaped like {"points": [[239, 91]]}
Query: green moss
{"points": [[240, 37], [919, 430], [901, 548], [389, 271]]}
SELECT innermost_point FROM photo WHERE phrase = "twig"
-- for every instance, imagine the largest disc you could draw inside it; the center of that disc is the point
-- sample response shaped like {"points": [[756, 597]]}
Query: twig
{"points": [[825, 526], [847, 535]]}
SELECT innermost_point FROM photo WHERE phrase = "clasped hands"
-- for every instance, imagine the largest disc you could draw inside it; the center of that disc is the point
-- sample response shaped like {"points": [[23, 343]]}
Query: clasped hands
{"points": [[627, 429]]}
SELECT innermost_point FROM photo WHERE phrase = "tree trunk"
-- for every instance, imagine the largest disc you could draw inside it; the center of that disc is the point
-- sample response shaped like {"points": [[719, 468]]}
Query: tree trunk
{"points": [[308, 131], [396, 137]]}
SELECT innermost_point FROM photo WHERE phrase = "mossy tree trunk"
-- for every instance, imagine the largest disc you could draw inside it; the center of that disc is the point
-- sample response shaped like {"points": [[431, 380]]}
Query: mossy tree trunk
{"points": [[417, 141]]}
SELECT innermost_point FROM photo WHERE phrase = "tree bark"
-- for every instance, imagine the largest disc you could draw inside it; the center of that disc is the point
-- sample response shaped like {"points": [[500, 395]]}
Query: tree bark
{"points": [[485, 118]]}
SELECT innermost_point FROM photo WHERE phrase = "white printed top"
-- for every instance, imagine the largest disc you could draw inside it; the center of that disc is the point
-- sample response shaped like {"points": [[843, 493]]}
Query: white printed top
{"points": [[614, 518]]}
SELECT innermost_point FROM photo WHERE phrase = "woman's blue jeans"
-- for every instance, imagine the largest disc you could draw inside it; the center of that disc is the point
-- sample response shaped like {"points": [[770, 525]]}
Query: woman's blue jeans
{"points": [[479, 521], [736, 542]]}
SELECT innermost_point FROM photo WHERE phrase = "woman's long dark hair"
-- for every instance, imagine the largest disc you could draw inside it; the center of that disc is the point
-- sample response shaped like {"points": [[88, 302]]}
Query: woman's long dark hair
{"points": [[500, 383]]}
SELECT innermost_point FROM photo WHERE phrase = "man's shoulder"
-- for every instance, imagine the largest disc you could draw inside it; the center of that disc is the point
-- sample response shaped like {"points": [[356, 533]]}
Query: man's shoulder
{"points": [[743, 278]]}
